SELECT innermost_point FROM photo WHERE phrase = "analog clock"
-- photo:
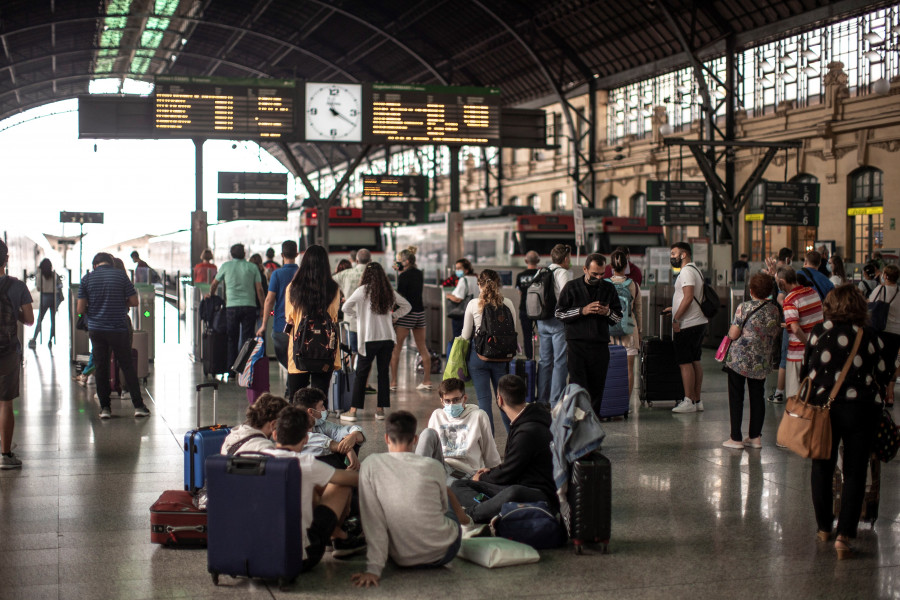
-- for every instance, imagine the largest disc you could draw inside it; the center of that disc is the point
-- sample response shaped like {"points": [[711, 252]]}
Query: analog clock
{"points": [[333, 112]]}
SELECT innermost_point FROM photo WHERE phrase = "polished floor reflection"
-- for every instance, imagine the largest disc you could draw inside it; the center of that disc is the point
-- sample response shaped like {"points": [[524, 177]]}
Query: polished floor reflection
{"points": [[690, 518]]}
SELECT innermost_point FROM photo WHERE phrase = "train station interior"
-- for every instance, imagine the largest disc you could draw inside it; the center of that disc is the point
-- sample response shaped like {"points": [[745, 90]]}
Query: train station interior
{"points": [[741, 128]]}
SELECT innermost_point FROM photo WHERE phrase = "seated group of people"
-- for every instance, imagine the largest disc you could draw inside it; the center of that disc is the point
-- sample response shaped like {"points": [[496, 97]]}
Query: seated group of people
{"points": [[416, 501]]}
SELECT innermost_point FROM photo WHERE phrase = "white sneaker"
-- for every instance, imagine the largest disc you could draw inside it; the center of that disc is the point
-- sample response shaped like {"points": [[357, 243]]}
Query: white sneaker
{"points": [[685, 406], [699, 406]]}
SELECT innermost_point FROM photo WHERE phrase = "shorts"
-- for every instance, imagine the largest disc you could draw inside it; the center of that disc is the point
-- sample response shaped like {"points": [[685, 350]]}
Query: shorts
{"points": [[785, 336], [688, 344], [412, 320], [319, 535], [9, 376]]}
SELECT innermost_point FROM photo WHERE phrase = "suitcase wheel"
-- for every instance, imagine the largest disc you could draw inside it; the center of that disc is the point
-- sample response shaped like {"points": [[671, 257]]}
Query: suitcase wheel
{"points": [[603, 547], [579, 549], [215, 578]]}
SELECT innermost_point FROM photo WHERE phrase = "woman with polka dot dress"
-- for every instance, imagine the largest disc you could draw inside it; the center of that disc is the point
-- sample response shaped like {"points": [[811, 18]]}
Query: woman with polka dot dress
{"points": [[854, 412]]}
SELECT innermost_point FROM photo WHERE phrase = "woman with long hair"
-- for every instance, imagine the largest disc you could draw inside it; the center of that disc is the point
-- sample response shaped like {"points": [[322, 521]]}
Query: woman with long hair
{"points": [[486, 373], [45, 282], [311, 291], [467, 286], [410, 284], [836, 266], [371, 304], [887, 291], [631, 342], [854, 410]]}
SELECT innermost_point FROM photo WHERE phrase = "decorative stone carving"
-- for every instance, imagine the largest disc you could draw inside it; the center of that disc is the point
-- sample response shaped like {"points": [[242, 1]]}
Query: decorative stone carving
{"points": [[836, 90]]}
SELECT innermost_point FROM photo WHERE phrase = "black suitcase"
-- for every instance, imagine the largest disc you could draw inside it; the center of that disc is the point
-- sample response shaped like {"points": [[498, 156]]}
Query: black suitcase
{"points": [[590, 502], [214, 352], [660, 374]]}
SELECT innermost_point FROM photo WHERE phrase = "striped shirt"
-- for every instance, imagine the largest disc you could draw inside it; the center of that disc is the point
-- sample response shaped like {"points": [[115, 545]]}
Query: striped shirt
{"points": [[106, 290], [802, 306]]}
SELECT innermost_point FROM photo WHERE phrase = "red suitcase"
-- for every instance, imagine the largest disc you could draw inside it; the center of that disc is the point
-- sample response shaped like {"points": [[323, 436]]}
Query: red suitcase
{"points": [[176, 522]]}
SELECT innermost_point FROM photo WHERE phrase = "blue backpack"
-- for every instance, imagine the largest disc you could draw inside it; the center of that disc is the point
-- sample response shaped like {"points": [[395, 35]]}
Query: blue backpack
{"points": [[626, 325], [530, 523]]}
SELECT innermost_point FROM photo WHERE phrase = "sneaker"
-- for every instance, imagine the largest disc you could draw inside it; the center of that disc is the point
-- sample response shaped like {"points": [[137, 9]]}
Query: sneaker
{"points": [[32, 344], [729, 443], [105, 413], [371, 390], [379, 414], [755, 443], [699, 406], [776, 398], [348, 547], [141, 412], [348, 416], [10, 461], [685, 406]]}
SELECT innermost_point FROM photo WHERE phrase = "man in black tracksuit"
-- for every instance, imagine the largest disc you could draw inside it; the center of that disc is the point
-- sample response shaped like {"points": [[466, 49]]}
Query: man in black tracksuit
{"points": [[526, 474], [587, 305]]}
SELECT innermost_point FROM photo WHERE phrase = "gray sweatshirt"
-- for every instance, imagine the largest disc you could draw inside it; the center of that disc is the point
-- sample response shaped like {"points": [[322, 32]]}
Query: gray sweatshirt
{"points": [[403, 501]]}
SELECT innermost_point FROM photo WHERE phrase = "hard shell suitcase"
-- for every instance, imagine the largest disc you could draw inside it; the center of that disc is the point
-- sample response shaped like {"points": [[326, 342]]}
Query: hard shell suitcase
{"points": [[254, 517], [116, 375], [344, 379], [660, 374], [260, 384], [615, 394], [141, 343], [872, 498], [176, 522], [590, 499], [202, 442], [214, 352], [527, 370]]}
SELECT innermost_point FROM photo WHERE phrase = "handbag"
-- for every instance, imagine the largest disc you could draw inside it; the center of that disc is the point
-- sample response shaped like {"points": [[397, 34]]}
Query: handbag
{"points": [[879, 309], [725, 345], [457, 360], [457, 310], [805, 428], [887, 437]]}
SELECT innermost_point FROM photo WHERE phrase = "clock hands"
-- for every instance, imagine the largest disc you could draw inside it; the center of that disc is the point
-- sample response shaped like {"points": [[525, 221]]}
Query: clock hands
{"points": [[337, 114]]}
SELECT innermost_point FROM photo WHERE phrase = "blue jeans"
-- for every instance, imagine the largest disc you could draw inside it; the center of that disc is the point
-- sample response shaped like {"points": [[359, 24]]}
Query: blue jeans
{"points": [[484, 374], [554, 365], [353, 341]]}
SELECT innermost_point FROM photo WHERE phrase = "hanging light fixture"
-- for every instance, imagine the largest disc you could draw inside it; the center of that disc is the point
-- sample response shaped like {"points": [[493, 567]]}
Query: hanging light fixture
{"points": [[684, 88], [809, 55], [881, 87], [810, 71], [873, 38], [766, 66], [789, 61], [873, 57], [666, 129]]}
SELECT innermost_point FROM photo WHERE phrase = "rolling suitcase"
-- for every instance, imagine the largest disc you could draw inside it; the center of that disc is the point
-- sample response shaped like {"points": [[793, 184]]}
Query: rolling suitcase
{"points": [[260, 383], [660, 374], [527, 370], [202, 442], [176, 522], [214, 352], [590, 502], [254, 517], [872, 498], [615, 394], [141, 343], [344, 379]]}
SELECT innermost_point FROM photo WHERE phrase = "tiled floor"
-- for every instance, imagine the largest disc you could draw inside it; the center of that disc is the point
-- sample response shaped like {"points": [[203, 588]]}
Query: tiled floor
{"points": [[690, 519]]}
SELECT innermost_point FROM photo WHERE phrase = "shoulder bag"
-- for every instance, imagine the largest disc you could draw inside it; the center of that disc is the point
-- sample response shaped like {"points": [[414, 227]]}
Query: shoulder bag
{"points": [[887, 436], [725, 346], [805, 428], [457, 310], [879, 309]]}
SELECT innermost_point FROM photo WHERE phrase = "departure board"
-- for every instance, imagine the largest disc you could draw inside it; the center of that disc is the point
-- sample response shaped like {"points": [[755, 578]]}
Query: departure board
{"points": [[428, 114], [233, 109]]}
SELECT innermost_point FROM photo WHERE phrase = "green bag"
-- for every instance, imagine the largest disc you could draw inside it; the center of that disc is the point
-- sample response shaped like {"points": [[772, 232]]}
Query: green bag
{"points": [[457, 360]]}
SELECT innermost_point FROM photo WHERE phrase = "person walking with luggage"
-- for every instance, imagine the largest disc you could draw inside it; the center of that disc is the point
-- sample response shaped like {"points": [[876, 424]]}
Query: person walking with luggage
{"points": [[888, 291], [278, 284], [15, 308], [313, 293], [688, 326], [371, 305], [48, 285], [205, 271], [490, 323], [553, 368], [754, 331], [466, 289], [854, 411], [410, 285], [587, 306], [243, 290], [523, 282], [104, 296], [629, 289], [802, 311]]}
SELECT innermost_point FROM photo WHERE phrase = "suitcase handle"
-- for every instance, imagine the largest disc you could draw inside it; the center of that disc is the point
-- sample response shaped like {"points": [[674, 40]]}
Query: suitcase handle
{"points": [[253, 464], [215, 386]]}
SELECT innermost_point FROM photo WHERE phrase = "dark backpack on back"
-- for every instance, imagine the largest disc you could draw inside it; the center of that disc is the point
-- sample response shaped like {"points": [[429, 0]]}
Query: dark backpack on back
{"points": [[496, 339], [315, 342], [540, 299], [9, 318], [709, 302]]}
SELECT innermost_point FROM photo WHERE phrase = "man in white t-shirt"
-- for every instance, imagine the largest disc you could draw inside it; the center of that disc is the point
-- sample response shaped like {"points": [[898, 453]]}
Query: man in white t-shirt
{"points": [[688, 326], [320, 519]]}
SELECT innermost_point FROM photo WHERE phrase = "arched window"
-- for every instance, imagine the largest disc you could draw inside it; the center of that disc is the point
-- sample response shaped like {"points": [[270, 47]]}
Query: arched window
{"points": [[639, 205], [559, 202], [535, 201], [515, 201], [611, 203], [865, 212]]}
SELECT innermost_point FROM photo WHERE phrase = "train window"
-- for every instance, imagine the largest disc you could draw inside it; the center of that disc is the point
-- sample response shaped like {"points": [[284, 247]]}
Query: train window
{"points": [[485, 250], [636, 243], [352, 238], [542, 243]]}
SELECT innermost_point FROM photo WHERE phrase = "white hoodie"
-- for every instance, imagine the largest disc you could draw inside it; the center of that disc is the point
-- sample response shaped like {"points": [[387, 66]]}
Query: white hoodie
{"points": [[466, 441], [257, 444]]}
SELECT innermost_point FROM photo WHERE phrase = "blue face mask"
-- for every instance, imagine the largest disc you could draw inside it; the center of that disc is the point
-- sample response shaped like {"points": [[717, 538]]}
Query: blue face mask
{"points": [[459, 273], [454, 410], [323, 416]]}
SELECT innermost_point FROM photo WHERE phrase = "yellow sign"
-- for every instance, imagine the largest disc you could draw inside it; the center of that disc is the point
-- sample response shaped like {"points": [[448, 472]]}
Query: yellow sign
{"points": [[865, 210], [754, 216]]}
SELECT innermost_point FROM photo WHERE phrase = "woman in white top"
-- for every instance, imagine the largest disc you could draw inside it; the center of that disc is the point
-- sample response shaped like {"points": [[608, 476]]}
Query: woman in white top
{"points": [[838, 274], [371, 305], [888, 292], [467, 286], [631, 342], [46, 284], [485, 373]]}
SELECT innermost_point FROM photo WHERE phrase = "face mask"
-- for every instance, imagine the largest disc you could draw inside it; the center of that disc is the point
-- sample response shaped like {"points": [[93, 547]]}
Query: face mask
{"points": [[459, 273], [323, 416], [828, 266], [675, 262], [454, 410], [593, 280]]}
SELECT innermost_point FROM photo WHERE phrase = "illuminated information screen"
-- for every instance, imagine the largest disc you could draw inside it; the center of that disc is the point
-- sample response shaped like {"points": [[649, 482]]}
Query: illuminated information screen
{"points": [[234, 109], [399, 186], [429, 114]]}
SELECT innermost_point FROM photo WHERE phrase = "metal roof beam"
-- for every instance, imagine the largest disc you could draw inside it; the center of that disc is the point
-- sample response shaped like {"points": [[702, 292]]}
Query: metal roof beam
{"points": [[237, 36]]}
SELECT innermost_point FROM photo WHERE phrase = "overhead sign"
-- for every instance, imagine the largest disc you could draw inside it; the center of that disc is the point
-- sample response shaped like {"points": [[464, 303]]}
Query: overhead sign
{"points": [[860, 211], [750, 217], [676, 203], [393, 211], [252, 183], [399, 186], [238, 209], [80, 217], [578, 212], [791, 203]]}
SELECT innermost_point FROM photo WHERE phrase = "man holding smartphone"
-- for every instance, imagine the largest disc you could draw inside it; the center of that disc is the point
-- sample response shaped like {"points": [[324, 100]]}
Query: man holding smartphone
{"points": [[587, 305]]}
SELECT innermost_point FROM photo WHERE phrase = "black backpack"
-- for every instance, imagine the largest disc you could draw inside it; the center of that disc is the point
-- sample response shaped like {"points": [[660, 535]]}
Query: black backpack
{"points": [[540, 299], [9, 320], [709, 302], [496, 339], [315, 342]]}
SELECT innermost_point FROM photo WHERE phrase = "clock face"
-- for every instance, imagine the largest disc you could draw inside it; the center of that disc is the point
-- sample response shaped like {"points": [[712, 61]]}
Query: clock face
{"points": [[333, 112]]}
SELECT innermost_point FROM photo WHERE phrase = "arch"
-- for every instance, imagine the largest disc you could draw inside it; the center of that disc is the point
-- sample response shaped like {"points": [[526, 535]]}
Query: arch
{"points": [[534, 200], [804, 178], [611, 203], [866, 187], [866, 229], [638, 206], [558, 201]]}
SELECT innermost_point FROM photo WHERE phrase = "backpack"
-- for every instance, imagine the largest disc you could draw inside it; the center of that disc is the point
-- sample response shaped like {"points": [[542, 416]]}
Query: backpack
{"points": [[212, 313], [530, 523], [709, 303], [496, 339], [540, 299], [812, 283], [9, 320], [626, 325], [315, 342]]}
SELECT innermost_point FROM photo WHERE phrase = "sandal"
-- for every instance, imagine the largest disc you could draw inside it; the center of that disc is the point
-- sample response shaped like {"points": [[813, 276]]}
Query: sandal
{"points": [[842, 548]]}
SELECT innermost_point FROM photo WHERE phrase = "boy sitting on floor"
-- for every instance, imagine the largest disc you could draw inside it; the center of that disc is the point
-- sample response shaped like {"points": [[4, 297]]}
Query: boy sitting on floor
{"points": [[329, 442], [407, 511]]}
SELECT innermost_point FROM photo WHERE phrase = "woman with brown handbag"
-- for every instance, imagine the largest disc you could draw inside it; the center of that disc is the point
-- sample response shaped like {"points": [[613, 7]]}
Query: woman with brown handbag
{"points": [[854, 409]]}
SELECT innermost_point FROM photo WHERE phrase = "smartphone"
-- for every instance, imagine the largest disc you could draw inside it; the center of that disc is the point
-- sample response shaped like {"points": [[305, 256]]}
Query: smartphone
{"points": [[481, 498], [288, 327]]}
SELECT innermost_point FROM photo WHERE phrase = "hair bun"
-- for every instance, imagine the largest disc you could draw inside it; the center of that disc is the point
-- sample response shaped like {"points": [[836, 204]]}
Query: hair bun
{"points": [[412, 249]]}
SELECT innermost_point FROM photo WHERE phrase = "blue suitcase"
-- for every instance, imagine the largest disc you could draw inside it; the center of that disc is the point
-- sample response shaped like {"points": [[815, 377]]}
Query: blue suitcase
{"points": [[202, 442], [527, 370], [616, 402], [253, 517], [342, 384]]}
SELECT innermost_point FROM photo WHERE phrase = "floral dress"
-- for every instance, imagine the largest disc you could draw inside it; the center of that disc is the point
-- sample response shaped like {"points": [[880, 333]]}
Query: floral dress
{"points": [[751, 354]]}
